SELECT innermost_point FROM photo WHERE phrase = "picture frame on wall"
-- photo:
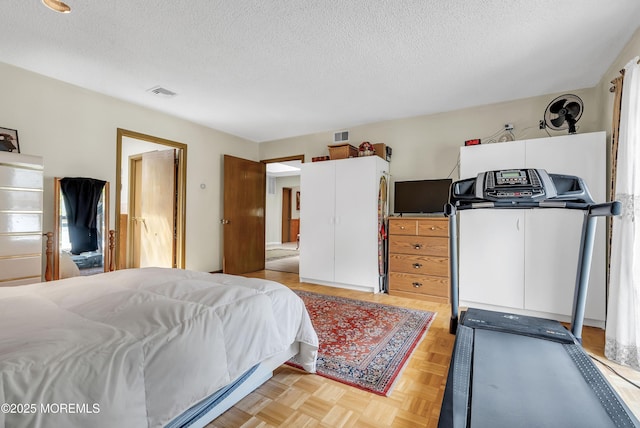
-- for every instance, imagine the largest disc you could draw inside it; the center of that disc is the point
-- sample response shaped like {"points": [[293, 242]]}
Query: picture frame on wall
{"points": [[9, 140]]}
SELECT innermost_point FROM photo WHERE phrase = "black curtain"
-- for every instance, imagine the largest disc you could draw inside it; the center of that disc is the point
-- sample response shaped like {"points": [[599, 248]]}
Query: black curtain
{"points": [[81, 197]]}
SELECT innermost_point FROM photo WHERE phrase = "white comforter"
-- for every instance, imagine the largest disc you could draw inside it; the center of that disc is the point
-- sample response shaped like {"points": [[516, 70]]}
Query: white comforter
{"points": [[135, 348]]}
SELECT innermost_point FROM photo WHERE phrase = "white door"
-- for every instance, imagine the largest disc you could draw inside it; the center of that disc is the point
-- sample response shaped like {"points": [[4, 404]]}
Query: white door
{"points": [[317, 228], [491, 245], [356, 247], [553, 236], [552, 246], [492, 258]]}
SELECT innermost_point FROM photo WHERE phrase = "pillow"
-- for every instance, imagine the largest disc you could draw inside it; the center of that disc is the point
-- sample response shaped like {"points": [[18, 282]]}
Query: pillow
{"points": [[67, 267]]}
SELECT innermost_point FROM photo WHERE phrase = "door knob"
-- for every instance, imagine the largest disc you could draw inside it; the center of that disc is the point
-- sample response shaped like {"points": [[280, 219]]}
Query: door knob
{"points": [[224, 221]]}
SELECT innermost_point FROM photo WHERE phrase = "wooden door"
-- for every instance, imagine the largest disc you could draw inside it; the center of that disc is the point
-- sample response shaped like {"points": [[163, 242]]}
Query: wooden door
{"points": [[244, 215], [154, 210], [286, 215]]}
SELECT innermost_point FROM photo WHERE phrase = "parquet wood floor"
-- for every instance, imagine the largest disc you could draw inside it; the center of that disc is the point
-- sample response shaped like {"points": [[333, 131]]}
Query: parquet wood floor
{"points": [[293, 398]]}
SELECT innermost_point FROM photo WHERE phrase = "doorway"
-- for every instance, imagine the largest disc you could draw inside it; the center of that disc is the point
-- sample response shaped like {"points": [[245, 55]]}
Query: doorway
{"points": [[164, 243], [282, 214]]}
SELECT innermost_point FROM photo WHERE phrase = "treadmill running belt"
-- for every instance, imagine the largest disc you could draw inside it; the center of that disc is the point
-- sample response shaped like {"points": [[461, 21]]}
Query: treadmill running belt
{"points": [[522, 380]]}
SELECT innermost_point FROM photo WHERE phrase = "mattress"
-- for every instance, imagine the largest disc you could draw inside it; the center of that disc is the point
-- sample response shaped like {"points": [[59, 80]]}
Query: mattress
{"points": [[138, 347]]}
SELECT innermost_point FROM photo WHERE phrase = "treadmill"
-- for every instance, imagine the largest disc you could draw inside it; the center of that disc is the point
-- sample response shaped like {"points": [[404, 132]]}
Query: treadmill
{"points": [[510, 370]]}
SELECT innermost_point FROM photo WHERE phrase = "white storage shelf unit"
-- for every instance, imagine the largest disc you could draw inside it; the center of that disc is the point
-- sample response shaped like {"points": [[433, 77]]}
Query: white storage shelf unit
{"points": [[21, 183], [525, 261]]}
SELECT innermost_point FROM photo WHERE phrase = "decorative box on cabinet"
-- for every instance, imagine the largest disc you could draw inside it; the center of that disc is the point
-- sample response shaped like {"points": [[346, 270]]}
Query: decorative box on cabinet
{"points": [[419, 258], [21, 182]]}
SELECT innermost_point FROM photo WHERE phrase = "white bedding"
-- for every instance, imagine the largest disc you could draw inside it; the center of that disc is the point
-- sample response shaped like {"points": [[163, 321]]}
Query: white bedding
{"points": [[137, 347]]}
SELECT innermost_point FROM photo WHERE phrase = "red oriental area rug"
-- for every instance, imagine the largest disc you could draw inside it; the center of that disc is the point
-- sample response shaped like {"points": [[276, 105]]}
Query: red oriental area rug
{"points": [[363, 344]]}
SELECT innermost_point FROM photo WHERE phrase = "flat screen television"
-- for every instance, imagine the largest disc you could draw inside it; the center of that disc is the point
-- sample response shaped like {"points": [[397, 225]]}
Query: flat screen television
{"points": [[421, 196]]}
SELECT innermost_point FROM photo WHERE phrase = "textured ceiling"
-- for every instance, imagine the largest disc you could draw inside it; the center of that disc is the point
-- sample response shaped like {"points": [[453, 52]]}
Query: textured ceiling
{"points": [[271, 69]]}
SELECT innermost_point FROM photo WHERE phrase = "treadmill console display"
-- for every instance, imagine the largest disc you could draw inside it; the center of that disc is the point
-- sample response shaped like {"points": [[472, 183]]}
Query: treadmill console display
{"points": [[513, 184], [518, 188], [512, 176]]}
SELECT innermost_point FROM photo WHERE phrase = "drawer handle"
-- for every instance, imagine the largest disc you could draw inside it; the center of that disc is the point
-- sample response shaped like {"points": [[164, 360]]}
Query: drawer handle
{"points": [[433, 228], [417, 265], [401, 227], [417, 246], [417, 284]]}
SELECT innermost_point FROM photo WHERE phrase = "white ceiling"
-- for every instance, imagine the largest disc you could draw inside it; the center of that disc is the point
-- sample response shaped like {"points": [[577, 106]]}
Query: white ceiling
{"points": [[271, 69]]}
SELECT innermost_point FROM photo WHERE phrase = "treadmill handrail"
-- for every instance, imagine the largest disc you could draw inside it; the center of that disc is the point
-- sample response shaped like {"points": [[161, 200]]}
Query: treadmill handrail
{"points": [[605, 209]]}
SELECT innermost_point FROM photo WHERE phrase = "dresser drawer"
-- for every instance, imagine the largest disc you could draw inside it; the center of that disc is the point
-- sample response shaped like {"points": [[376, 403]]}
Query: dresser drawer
{"points": [[20, 200], [433, 227], [419, 245], [15, 268], [23, 178], [421, 265], [419, 284], [403, 227], [12, 222], [11, 245]]}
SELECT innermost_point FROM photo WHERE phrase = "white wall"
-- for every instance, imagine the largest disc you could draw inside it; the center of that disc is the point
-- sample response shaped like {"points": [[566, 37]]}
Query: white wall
{"points": [[427, 147], [631, 50], [75, 131]]}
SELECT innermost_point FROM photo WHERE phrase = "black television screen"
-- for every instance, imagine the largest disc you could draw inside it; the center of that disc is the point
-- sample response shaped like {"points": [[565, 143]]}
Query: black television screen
{"points": [[421, 196]]}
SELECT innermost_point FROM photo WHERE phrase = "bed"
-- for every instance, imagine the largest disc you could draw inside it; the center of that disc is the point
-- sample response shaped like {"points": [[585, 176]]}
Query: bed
{"points": [[143, 347]]}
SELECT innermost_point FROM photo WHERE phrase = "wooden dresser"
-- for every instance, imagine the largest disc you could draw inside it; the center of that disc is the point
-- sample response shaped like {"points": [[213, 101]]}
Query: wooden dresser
{"points": [[419, 258], [21, 188]]}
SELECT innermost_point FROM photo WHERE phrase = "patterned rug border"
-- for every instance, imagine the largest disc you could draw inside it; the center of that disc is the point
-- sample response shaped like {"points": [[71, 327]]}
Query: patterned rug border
{"points": [[389, 378]]}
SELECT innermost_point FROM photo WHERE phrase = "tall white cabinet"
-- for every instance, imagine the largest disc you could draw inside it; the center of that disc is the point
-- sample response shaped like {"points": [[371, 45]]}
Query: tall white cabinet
{"points": [[525, 261], [339, 222], [21, 184]]}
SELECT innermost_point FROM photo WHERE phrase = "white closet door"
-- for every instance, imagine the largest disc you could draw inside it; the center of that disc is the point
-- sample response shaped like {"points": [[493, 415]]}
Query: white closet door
{"points": [[492, 241], [492, 257], [553, 236], [317, 228], [356, 248]]}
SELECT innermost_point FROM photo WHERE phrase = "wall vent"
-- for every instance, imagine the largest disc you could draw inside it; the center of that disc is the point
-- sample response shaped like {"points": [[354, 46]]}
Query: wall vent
{"points": [[162, 92], [341, 137]]}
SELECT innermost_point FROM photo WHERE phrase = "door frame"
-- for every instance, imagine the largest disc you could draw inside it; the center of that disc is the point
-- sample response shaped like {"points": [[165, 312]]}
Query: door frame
{"points": [[181, 187], [283, 159], [285, 216]]}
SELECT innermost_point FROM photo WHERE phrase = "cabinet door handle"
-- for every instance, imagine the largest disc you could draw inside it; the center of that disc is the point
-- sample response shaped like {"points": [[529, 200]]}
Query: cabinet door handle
{"points": [[417, 284], [417, 265], [417, 246]]}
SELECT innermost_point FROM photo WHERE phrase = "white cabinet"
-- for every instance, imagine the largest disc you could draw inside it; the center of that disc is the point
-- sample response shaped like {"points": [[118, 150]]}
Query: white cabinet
{"points": [[21, 179], [339, 222], [526, 260]]}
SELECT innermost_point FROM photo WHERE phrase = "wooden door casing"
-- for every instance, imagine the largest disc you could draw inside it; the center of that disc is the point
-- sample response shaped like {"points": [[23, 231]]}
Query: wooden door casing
{"points": [[286, 215]]}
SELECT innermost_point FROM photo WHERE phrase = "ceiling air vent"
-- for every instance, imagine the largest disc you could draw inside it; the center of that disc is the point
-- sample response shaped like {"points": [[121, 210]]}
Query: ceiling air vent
{"points": [[160, 91]]}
